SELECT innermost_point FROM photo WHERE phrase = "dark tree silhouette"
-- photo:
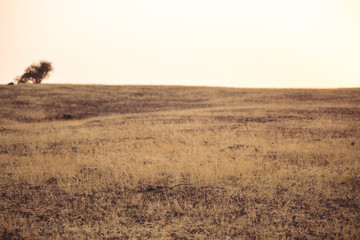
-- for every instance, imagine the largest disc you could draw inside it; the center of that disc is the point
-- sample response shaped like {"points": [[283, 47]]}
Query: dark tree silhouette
{"points": [[35, 73]]}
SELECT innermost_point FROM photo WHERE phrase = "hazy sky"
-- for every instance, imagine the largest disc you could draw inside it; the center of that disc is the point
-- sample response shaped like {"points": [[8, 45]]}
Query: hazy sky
{"points": [[244, 43]]}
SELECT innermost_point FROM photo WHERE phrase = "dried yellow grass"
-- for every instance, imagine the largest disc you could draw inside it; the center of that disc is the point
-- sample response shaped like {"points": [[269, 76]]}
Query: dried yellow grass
{"points": [[179, 163]]}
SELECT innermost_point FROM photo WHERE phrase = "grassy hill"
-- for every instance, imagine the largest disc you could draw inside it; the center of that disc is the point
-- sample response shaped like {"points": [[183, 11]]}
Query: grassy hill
{"points": [[173, 162], [34, 103]]}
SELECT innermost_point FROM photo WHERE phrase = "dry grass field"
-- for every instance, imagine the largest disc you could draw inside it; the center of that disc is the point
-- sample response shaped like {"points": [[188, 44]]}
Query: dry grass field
{"points": [[151, 162]]}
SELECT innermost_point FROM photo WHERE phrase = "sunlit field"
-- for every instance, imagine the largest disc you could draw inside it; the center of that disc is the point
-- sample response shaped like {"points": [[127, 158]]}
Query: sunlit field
{"points": [[140, 162]]}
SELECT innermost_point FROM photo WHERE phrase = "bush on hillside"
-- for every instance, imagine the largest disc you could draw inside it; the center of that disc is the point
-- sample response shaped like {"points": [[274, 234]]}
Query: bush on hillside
{"points": [[35, 73]]}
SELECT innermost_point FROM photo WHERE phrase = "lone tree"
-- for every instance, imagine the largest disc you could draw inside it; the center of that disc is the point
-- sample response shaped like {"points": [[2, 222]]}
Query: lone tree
{"points": [[35, 73]]}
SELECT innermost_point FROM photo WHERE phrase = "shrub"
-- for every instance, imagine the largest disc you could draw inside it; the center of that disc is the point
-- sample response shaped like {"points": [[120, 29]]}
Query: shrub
{"points": [[35, 73]]}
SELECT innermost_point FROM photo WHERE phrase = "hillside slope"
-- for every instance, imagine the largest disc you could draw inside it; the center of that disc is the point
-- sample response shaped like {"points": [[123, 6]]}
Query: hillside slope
{"points": [[150, 162], [31, 103]]}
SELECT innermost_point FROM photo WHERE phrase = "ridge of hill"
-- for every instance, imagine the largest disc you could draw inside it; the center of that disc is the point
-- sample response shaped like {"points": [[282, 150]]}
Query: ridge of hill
{"points": [[36, 103]]}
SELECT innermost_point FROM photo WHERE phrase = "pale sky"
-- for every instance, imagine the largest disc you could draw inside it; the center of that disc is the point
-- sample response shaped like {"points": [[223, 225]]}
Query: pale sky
{"points": [[240, 43]]}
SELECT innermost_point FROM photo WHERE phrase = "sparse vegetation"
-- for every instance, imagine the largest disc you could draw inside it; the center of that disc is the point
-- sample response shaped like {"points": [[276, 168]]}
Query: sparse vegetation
{"points": [[35, 73], [139, 162]]}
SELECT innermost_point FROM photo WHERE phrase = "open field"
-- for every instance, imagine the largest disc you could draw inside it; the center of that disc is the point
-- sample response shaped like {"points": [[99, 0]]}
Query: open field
{"points": [[140, 162]]}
